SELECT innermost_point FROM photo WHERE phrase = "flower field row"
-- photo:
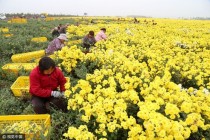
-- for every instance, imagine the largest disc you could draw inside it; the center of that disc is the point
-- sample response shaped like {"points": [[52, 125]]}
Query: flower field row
{"points": [[144, 82]]}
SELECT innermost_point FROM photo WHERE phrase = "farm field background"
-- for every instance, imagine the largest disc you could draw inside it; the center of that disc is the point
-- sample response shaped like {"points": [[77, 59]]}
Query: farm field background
{"points": [[147, 81]]}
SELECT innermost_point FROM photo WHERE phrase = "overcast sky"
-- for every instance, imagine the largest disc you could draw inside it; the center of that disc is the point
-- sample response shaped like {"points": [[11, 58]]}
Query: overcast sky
{"points": [[153, 8]]}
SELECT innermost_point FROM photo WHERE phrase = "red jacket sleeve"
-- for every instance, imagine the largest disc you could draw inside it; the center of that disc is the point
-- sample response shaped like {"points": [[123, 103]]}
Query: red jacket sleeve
{"points": [[35, 86], [62, 80]]}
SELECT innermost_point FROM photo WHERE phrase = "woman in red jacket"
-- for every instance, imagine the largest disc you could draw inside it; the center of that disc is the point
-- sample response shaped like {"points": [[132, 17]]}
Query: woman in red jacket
{"points": [[44, 82]]}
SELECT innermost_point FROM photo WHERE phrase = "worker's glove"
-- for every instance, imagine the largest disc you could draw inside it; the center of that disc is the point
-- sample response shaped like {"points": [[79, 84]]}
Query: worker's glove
{"points": [[63, 92], [56, 94]]}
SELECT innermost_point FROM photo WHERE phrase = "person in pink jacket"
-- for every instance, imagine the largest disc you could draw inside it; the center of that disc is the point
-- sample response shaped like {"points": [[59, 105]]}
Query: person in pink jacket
{"points": [[56, 44], [45, 79], [101, 35]]}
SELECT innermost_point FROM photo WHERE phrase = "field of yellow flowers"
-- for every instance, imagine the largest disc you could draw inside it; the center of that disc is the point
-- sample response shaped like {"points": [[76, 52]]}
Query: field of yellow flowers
{"points": [[147, 81]]}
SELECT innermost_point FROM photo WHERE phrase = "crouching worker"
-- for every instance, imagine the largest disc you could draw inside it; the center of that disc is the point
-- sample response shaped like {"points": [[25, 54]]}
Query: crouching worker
{"points": [[44, 82], [88, 41], [56, 44]]}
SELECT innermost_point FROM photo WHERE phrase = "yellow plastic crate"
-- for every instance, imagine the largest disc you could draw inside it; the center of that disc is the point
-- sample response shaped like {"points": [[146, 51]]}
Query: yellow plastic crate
{"points": [[40, 120], [8, 35], [21, 86], [4, 30], [53, 56], [27, 57], [49, 19], [15, 67], [39, 39], [18, 20]]}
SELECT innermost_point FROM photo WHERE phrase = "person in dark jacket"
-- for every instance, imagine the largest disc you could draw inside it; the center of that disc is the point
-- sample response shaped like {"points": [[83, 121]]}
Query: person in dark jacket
{"points": [[63, 28], [55, 32], [44, 82], [88, 41]]}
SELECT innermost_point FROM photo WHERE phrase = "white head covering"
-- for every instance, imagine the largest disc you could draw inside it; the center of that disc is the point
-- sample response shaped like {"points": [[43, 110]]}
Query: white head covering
{"points": [[63, 37]]}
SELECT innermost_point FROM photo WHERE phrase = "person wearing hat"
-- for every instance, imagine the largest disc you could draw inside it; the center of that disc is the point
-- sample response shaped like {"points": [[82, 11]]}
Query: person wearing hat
{"points": [[56, 44]]}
